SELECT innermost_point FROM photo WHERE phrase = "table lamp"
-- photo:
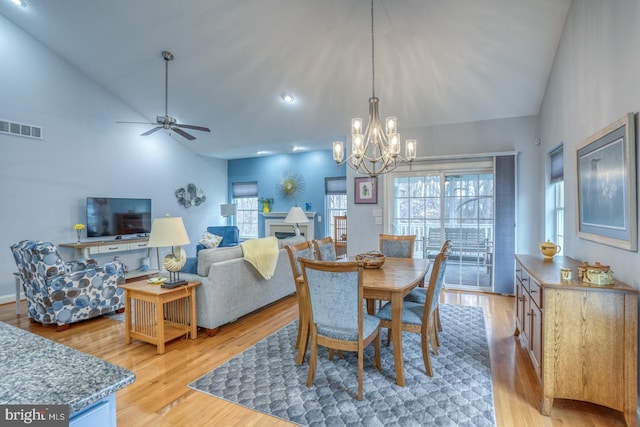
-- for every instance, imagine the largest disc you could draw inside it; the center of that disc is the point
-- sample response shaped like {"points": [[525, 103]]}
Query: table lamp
{"points": [[227, 210], [170, 231], [296, 216]]}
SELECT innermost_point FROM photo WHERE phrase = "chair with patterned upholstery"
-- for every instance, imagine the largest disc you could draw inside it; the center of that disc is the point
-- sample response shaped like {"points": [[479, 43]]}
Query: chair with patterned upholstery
{"points": [[62, 293], [325, 249], [420, 318], [396, 246], [337, 319], [303, 250]]}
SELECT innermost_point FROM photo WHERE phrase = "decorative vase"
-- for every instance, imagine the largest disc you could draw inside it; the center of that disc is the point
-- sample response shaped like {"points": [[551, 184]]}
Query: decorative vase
{"points": [[265, 208], [78, 231]]}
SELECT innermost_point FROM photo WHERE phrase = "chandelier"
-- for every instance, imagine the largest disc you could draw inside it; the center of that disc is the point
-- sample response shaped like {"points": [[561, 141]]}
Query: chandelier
{"points": [[374, 151]]}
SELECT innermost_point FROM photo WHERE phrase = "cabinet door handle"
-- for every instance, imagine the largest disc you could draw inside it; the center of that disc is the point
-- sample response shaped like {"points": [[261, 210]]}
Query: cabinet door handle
{"points": [[522, 298], [533, 291]]}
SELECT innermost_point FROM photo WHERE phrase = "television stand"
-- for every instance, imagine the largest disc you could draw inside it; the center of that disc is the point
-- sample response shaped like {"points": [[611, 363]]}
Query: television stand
{"points": [[103, 247]]}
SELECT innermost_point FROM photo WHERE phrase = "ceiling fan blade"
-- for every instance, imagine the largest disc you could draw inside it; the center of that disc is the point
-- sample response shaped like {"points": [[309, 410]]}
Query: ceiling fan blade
{"points": [[139, 123], [150, 131], [183, 133], [194, 127]]}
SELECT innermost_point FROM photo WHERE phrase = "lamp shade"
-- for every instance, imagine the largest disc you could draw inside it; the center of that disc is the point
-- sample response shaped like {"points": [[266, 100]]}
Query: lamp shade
{"points": [[168, 231], [296, 216], [228, 209]]}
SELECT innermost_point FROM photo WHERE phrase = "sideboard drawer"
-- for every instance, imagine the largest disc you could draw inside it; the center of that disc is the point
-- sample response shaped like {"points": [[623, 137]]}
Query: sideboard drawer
{"points": [[138, 245], [114, 248], [536, 292]]}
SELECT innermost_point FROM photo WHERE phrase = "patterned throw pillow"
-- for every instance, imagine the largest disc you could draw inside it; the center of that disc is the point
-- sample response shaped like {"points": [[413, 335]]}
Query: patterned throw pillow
{"points": [[210, 240]]}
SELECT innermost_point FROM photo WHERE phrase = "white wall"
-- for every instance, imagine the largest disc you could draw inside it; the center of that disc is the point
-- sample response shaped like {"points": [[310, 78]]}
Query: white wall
{"points": [[83, 153], [504, 135], [593, 83]]}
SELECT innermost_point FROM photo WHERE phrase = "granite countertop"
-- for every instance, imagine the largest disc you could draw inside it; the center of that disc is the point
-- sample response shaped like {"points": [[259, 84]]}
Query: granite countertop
{"points": [[35, 370]]}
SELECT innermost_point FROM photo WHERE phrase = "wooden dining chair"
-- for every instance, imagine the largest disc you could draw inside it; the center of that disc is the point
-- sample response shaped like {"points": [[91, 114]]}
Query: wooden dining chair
{"points": [[397, 246], [419, 295], [420, 318], [325, 250], [300, 250], [337, 319]]}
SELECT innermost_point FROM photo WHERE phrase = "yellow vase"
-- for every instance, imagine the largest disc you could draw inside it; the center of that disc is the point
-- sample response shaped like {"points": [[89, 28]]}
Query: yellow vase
{"points": [[265, 208]]}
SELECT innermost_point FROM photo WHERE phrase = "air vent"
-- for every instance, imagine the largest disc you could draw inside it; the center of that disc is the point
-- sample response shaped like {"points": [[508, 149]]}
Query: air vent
{"points": [[20, 129]]}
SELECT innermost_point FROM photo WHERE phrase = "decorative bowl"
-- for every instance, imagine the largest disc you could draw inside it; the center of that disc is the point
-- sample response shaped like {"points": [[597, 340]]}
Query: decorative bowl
{"points": [[373, 259], [549, 249]]}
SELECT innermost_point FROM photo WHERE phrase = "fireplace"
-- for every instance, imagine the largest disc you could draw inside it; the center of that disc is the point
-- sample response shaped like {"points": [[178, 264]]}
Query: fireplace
{"points": [[274, 225]]}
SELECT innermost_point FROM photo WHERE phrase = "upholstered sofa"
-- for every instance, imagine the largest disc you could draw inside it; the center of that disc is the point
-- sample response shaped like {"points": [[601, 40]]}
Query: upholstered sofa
{"points": [[231, 287], [62, 293]]}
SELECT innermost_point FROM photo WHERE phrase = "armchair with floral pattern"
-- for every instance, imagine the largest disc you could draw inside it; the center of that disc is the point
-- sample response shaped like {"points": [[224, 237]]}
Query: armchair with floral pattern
{"points": [[62, 293]]}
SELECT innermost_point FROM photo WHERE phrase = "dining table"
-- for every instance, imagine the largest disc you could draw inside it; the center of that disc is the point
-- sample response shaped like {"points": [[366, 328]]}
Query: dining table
{"points": [[392, 282]]}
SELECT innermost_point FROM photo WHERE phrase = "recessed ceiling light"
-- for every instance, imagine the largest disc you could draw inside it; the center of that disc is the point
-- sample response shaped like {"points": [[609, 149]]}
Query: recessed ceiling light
{"points": [[287, 97], [261, 153], [20, 3]]}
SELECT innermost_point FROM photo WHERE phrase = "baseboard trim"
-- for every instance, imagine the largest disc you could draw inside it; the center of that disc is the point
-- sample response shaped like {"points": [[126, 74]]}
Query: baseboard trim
{"points": [[10, 298]]}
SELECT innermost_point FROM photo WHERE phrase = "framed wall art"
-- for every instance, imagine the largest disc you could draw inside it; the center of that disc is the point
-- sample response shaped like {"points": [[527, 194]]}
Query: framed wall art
{"points": [[606, 186], [366, 190]]}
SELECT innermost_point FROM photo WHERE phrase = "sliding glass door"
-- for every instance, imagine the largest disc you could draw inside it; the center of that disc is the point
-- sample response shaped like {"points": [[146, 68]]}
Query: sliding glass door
{"points": [[454, 206]]}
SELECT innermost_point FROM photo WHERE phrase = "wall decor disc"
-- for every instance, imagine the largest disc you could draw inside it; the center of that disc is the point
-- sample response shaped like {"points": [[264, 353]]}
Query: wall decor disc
{"points": [[291, 186], [190, 196]]}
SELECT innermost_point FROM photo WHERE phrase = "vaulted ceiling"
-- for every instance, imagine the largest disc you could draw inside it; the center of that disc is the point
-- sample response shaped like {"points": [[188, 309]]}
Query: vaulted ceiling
{"points": [[436, 62]]}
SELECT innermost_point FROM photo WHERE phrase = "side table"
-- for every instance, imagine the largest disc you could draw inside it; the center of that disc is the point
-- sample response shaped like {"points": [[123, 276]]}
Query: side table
{"points": [[159, 314]]}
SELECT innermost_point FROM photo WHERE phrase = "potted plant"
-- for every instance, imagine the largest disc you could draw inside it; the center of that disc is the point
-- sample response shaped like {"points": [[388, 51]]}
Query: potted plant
{"points": [[267, 202]]}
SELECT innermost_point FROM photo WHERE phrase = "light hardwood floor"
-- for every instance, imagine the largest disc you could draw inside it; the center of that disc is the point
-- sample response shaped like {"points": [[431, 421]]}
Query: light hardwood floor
{"points": [[160, 397]]}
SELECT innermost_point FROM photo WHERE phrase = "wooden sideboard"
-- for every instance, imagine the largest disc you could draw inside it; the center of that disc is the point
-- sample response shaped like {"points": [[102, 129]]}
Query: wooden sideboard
{"points": [[581, 338]]}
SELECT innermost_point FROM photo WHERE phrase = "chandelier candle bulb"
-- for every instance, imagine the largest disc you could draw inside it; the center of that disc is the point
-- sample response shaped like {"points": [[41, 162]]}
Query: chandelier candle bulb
{"points": [[338, 151], [392, 123], [356, 126], [394, 145], [410, 150]]}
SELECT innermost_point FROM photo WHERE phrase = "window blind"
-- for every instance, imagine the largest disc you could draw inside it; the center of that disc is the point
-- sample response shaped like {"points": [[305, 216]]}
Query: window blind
{"points": [[335, 185], [245, 189], [557, 165]]}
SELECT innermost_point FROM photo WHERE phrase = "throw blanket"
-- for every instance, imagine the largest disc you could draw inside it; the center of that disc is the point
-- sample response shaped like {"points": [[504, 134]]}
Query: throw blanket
{"points": [[262, 254]]}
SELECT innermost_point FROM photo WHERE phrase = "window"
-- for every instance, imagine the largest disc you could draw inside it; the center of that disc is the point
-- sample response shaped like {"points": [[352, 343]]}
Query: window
{"points": [[557, 181], [436, 206], [335, 189], [464, 200], [245, 196]]}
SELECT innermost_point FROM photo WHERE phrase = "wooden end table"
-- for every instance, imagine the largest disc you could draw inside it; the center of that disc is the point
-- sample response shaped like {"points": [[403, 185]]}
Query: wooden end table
{"points": [[159, 314]]}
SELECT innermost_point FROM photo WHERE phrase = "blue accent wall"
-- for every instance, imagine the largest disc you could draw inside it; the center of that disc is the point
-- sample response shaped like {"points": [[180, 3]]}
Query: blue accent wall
{"points": [[268, 171]]}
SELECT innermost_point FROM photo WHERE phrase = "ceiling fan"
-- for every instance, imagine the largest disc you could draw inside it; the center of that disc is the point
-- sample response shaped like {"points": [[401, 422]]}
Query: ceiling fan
{"points": [[166, 121]]}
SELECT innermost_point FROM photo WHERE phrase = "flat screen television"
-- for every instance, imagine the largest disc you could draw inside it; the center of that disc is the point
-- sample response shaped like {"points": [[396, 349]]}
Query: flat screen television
{"points": [[112, 217]]}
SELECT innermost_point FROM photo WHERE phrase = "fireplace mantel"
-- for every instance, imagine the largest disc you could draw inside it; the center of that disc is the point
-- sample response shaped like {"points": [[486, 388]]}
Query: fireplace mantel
{"points": [[309, 215]]}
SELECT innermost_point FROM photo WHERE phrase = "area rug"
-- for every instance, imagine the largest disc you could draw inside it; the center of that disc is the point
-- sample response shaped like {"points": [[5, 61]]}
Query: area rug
{"points": [[460, 393]]}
